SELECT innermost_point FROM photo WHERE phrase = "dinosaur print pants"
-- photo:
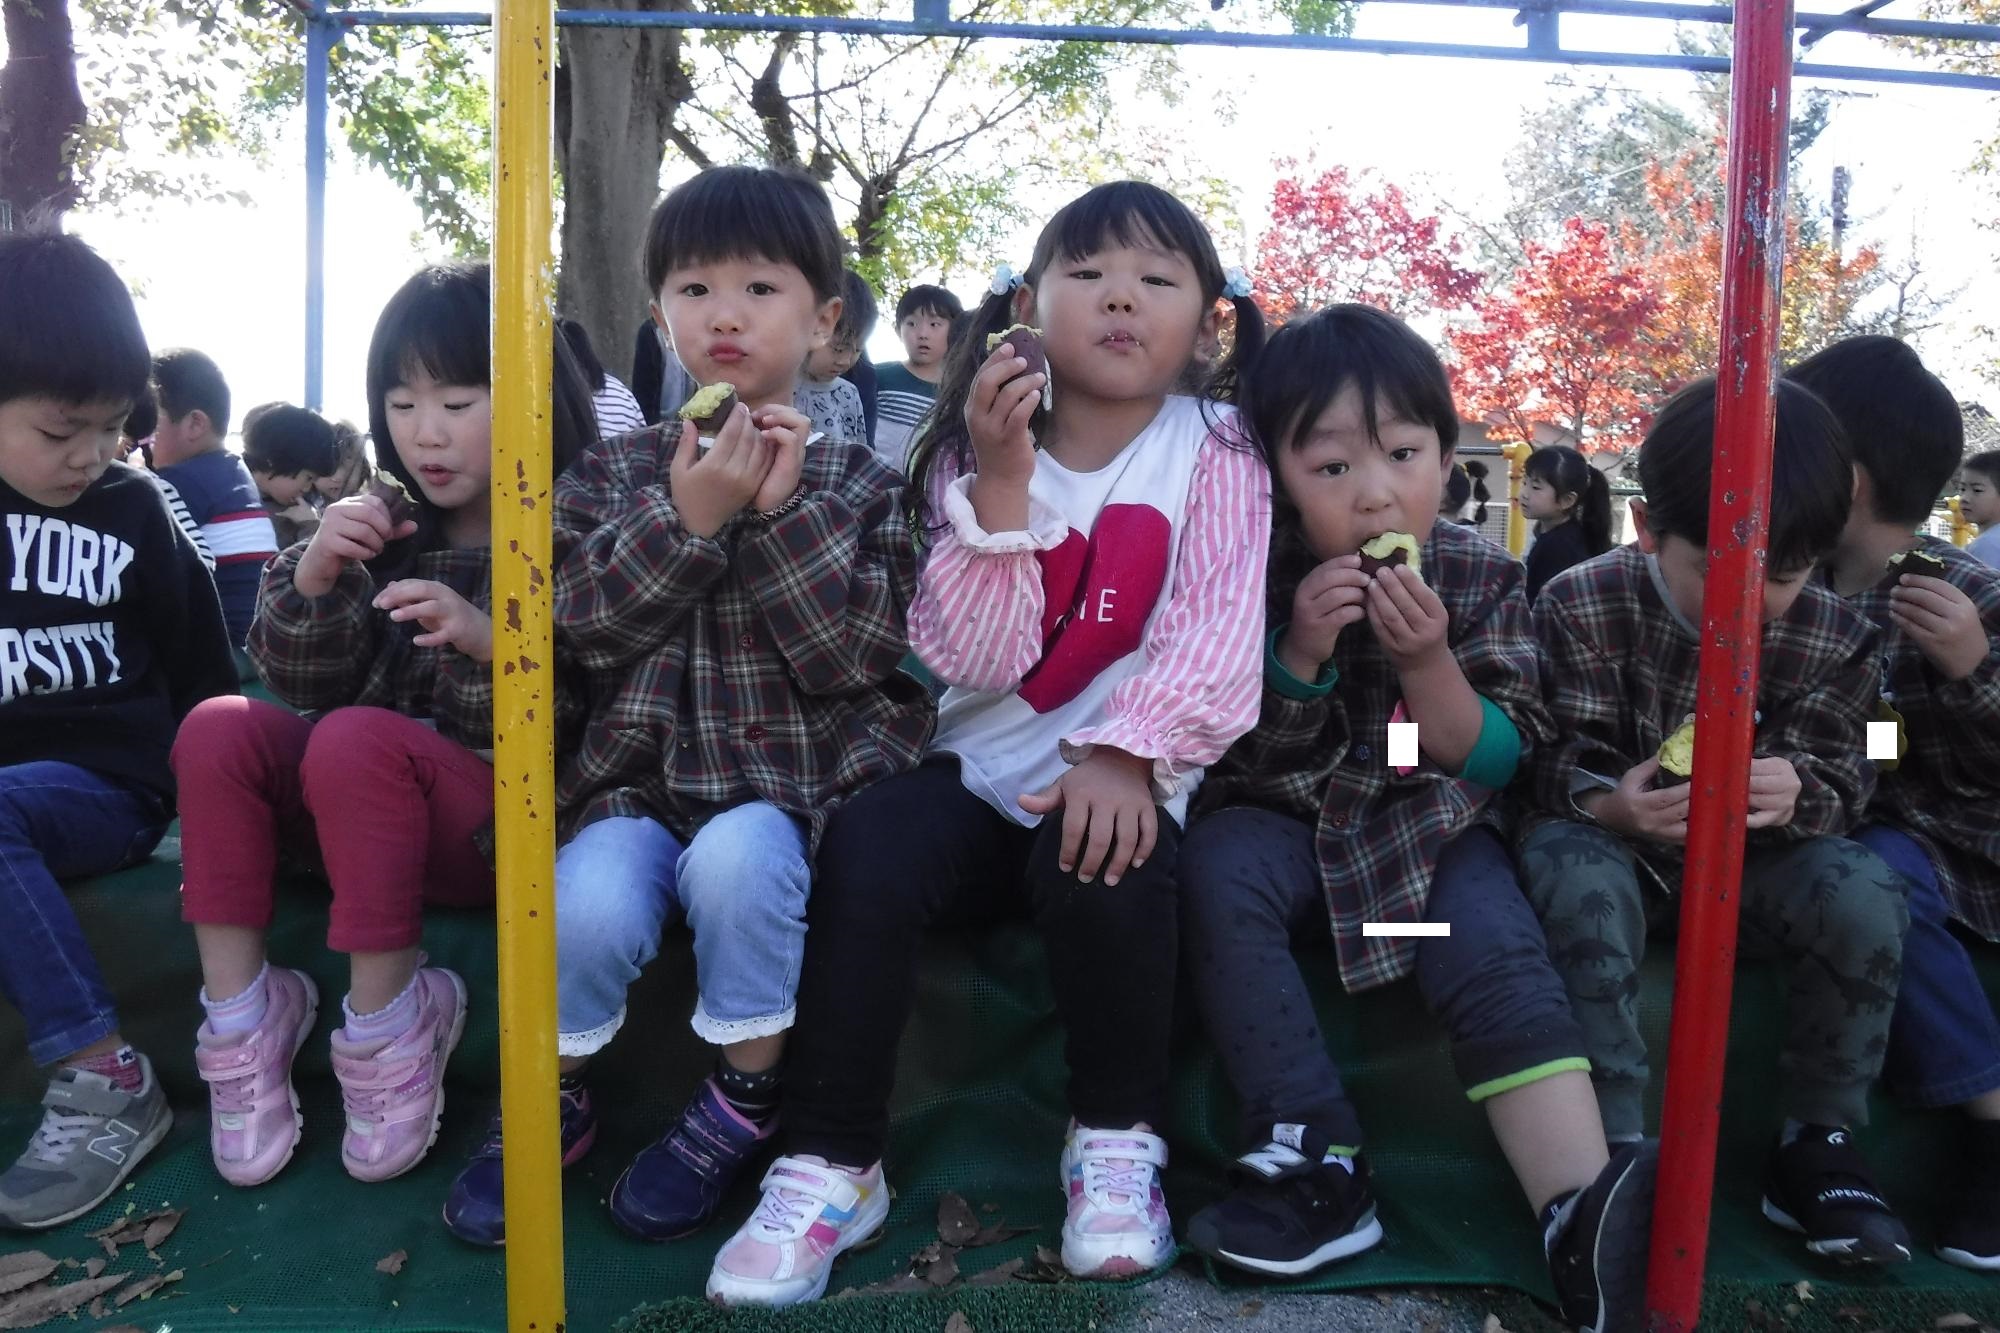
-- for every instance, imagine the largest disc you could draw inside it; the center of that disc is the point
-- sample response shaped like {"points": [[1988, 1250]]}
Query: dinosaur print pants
{"points": [[1829, 909]]}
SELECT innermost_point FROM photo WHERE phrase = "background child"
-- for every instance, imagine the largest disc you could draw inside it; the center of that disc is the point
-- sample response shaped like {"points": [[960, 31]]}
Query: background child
{"points": [[288, 449], [1933, 807], [1570, 504], [109, 633], [741, 614], [616, 409], [382, 627], [831, 403], [1979, 502], [907, 390], [1068, 743], [1601, 851], [1355, 417], [351, 469], [188, 451]]}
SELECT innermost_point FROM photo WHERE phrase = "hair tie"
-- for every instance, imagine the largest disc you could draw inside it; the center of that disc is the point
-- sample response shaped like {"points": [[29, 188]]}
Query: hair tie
{"points": [[1005, 280], [1236, 284]]}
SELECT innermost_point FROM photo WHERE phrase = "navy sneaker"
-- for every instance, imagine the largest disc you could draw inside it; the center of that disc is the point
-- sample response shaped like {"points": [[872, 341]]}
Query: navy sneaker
{"points": [[674, 1187], [1598, 1243], [476, 1210], [1819, 1186]]}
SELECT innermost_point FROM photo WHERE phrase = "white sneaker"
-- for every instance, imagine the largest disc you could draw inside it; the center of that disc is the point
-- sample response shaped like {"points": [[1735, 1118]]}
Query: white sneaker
{"points": [[811, 1214], [1117, 1224]]}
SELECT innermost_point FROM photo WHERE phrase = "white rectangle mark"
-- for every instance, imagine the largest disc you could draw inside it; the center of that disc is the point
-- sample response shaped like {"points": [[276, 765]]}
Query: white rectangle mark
{"points": [[1403, 745], [1881, 740], [1438, 929]]}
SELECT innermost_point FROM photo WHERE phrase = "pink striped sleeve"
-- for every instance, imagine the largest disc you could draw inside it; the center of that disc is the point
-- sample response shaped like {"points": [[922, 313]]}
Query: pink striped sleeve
{"points": [[976, 621], [1200, 689]]}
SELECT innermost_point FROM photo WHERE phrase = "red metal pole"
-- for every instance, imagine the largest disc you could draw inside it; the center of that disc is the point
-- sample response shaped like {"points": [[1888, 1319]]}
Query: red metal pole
{"points": [[1732, 611]]}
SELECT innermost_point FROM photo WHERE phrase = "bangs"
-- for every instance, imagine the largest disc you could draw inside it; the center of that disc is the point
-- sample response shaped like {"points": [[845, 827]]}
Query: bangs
{"points": [[749, 214], [1309, 363], [1129, 214], [440, 323]]}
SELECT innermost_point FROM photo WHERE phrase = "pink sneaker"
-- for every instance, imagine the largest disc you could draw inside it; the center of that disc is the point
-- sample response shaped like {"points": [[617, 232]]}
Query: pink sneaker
{"points": [[810, 1215], [393, 1088], [253, 1110], [1117, 1224]]}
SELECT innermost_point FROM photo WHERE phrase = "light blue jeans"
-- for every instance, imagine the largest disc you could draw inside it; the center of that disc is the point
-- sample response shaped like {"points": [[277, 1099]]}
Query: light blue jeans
{"points": [[741, 883]]}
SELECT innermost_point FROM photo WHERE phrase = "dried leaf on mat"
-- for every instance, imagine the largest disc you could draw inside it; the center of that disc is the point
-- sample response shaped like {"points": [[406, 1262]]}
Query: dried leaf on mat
{"points": [[958, 1323], [159, 1229], [25, 1269], [998, 1275], [1047, 1267], [140, 1289], [94, 1265], [940, 1269], [38, 1305], [1956, 1321], [955, 1223], [392, 1262], [137, 1227], [99, 1310], [121, 1328], [996, 1233]]}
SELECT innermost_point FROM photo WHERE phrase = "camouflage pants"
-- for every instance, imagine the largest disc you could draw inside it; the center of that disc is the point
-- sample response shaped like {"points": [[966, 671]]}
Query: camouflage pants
{"points": [[1826, 906]]}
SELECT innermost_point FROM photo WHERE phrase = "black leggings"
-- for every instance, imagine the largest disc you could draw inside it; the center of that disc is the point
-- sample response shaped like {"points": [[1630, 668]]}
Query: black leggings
{"points": [[918, 849]]}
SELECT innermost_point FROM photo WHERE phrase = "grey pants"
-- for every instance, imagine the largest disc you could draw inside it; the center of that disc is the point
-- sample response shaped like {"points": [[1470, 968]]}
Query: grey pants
{"points": [[1829, 908], [1250, 888]]}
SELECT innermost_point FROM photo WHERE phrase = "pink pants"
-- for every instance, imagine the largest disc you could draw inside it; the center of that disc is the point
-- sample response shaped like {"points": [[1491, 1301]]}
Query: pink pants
{"points": [[398, 806]]}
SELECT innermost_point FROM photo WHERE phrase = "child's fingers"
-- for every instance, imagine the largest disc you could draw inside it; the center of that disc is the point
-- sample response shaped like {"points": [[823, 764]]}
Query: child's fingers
{"points": [[687, 452], [437, 638], [1125, 837], [430, 610], [1102, 833], [1076, 822], [1149, 836]]}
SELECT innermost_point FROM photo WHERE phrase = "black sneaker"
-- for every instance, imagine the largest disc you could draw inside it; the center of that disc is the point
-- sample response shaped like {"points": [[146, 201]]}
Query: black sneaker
{"points": [[1819, 1187], [1290, 1212], [1969, 1235], [1598, 1243]]}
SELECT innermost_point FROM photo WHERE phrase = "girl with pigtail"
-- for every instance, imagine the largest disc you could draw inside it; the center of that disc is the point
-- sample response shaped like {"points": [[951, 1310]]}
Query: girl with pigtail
{"points": [[1570, 503]]}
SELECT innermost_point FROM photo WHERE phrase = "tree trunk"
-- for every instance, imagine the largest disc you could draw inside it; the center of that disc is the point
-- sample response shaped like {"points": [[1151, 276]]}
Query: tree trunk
{"points": [[41, 110], [618, 90]]}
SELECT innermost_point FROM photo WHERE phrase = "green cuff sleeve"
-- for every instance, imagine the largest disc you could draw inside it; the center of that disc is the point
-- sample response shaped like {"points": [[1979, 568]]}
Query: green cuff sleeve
{"points": [[1280, 678], [1497, 752]]}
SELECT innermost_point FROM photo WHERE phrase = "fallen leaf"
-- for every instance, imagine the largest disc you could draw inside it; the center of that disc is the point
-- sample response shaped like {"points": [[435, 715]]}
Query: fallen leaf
{"points": [[206, 1263], [121, 1328], [994, 1234], [1249, 1308], [900, 1282], [25, 1269], [392, 1262], [998, 1275], [955, 1222], [94, 1265], [958, 1323], [139, 1290], [99, 1310], [159, 1229], [1803, 1291], [38, 1305], [1956, 1321], [942, 1269]]}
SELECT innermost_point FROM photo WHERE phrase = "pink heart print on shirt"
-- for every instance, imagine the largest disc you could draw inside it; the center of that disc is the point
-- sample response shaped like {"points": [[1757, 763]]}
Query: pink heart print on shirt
{"points": [[1096, 598]]}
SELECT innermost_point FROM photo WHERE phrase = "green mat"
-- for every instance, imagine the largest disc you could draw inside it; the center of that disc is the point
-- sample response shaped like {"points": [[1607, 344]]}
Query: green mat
{"points": [[978, 1111]]}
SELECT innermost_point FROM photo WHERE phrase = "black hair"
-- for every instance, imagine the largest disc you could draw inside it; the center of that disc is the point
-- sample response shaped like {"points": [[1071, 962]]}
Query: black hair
{"points": [[1903, 425], [1475, 472], [1457, 489], [928, 299], [144, 418], [284, 440], [586, 354], [185, 380], [1568, 472], [1986, 464], [1120, 213], [1812, 474], [68, 329], [747, 213], [440, 322], [857, 309]]}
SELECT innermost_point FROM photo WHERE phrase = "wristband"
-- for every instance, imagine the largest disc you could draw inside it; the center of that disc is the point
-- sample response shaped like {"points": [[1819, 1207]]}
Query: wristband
{"points": [[773, 515]]}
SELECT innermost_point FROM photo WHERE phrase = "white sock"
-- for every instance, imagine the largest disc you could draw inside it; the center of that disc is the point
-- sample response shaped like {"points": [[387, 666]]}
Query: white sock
{"points": [[390, 1021], [239, 1013]]}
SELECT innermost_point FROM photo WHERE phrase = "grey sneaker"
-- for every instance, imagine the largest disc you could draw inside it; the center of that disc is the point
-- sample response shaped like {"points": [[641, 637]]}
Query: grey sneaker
{"points": [[92, 1135]]}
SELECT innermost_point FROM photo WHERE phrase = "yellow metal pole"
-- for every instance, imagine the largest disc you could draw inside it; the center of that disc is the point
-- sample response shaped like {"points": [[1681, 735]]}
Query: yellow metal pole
{"points": [[1961, 531], [523, 660], [1517, 522]]}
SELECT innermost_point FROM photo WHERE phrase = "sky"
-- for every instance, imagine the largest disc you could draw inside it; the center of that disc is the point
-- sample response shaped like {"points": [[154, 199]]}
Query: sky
{"points": [[229, 278]]}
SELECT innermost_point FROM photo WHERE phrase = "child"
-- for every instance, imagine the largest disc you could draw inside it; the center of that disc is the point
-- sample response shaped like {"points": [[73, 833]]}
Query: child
{"points": [[1355, 417], [109, 633], [351, 470], [740, 610], [1092, 598], [1570, 504], [381, 626], [829, 401], [288, 449], [1979, 502], [187, 451], [1933, 807], [907, 390], [1601, 850], [1465, 495], [617, 410]]}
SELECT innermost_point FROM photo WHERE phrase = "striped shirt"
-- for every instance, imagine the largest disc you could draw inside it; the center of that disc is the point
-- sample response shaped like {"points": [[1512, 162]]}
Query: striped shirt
{"points": [[225, 503], [902, 401], [617, 410]]}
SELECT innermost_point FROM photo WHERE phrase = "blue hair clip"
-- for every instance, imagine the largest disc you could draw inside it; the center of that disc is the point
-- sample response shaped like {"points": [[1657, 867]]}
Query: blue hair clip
{"points": [[1005, 280], [1236, 284]]}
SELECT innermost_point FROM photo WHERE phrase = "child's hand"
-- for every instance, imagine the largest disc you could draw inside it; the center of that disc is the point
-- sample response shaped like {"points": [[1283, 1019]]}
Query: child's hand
{"points": [[356, 528], [786, 430], [1774, 792], [1328, 600], [996, 417], [1635, 810], [1942, 621], [446, 617], [1408, 618], [1109, 797], [712, 488]]}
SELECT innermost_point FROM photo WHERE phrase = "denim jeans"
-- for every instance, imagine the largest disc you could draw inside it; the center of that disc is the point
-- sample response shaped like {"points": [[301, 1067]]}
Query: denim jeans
{"points": [[61, 821], [1944, 1041], [741, 882]]}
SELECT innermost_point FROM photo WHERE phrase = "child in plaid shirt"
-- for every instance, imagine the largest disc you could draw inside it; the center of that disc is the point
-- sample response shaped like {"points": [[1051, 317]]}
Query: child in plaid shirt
{"points": [[1305, 819], [1932, 816], [739, 608], [1601, 849], [380, 626]]}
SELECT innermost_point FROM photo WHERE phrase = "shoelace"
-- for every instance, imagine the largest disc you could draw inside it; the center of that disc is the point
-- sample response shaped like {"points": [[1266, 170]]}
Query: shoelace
{"points": [[780, 1212], [233, 1096], [58, 1134], [1116, 1182]]}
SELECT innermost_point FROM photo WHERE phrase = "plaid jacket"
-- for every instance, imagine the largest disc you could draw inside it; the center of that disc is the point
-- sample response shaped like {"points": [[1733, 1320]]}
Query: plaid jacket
{"points": [[1620, 669], [1325, 761], [760, 664], [1946, 791], [338, 651]]}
